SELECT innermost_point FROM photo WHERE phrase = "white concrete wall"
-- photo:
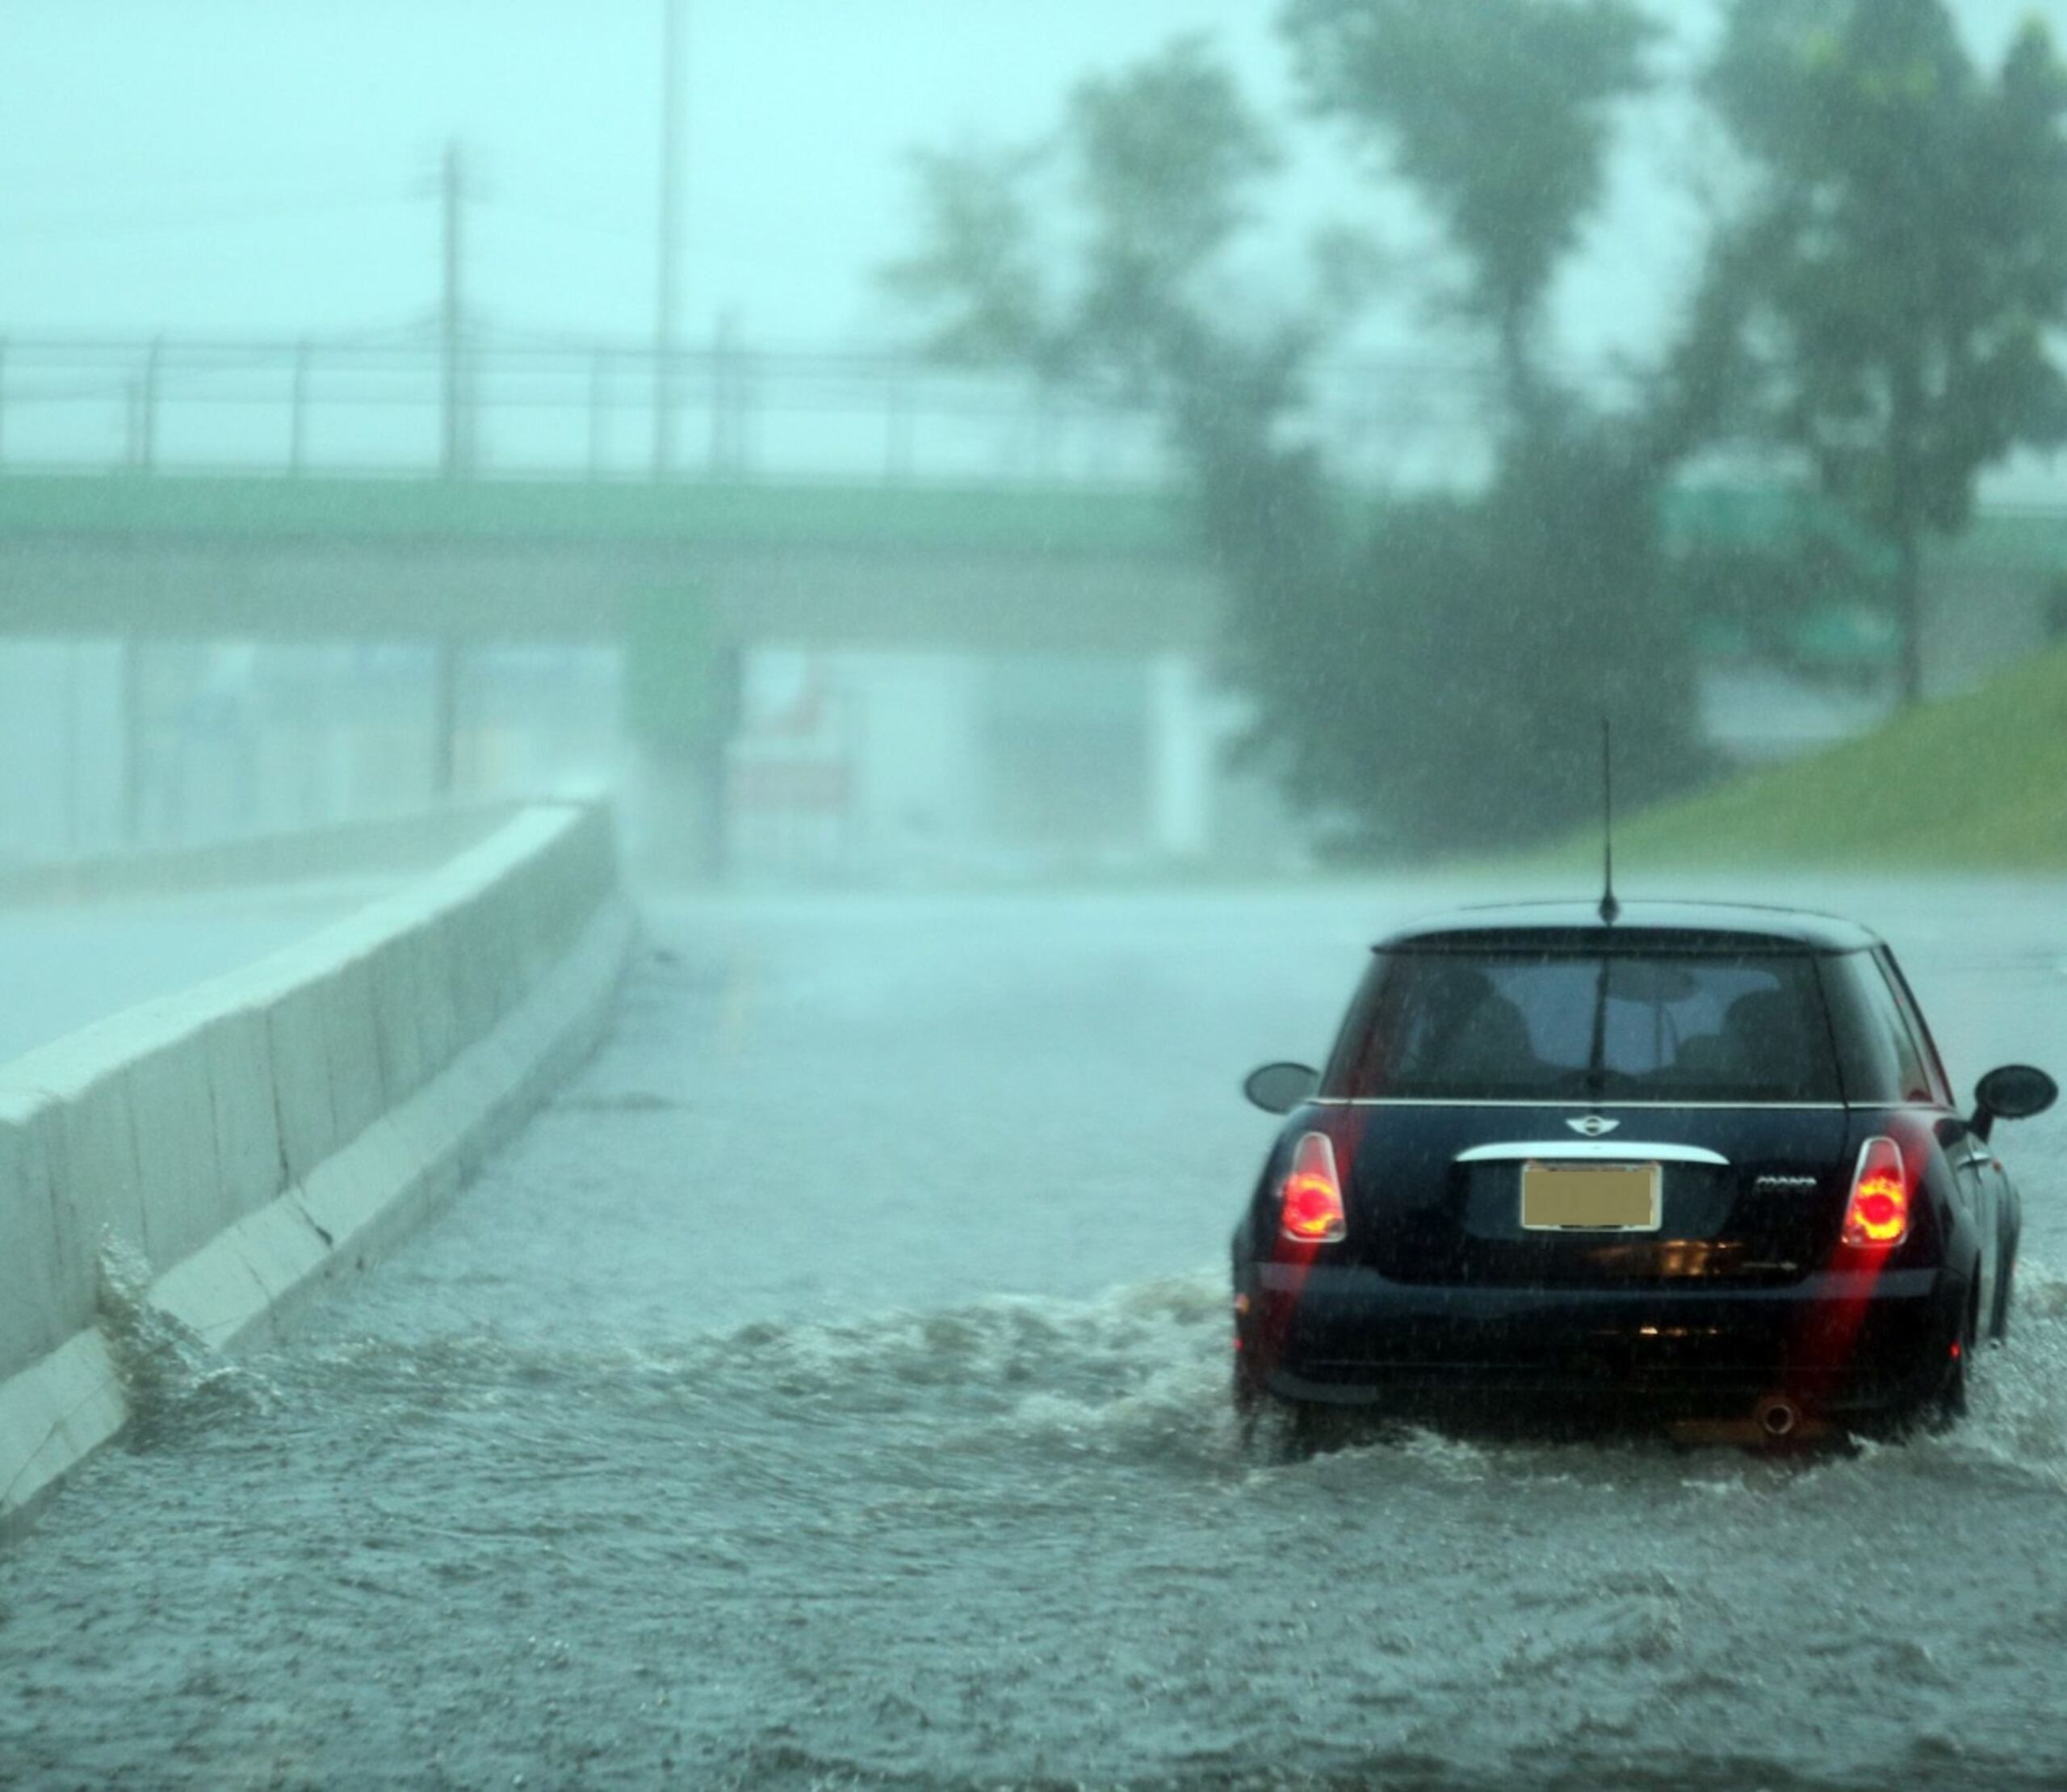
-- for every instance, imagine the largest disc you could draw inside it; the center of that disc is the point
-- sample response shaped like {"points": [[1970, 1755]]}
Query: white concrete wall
{"points": [[351, 849], [248, 1137]]}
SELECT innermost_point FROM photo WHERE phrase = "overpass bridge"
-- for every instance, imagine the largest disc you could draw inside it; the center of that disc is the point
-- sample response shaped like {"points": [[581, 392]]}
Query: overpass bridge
{"points": [[909, 605], [994, 570], [279, 489], [900, 606], [896, 609], [857, 512], [986, 567]]}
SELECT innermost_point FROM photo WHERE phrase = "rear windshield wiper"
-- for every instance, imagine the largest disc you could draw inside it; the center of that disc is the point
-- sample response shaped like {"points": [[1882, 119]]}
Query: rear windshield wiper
{"points": [[1596, 1056]]}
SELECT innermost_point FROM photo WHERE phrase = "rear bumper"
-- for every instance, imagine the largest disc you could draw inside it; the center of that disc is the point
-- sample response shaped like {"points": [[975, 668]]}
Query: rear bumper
{"points": [[1839, 1343]]}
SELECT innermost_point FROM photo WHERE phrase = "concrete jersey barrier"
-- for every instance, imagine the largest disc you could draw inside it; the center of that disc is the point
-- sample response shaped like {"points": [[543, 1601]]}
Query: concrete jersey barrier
{"points": [[394, 843], [235, 1144]]}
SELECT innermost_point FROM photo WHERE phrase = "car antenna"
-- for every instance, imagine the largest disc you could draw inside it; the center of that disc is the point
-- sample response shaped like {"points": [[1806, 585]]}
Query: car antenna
{"points": [[1610, 909]]}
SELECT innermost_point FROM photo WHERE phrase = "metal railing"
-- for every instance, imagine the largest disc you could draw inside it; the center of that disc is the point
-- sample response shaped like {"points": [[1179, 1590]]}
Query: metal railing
{"points": [[568, 409]]}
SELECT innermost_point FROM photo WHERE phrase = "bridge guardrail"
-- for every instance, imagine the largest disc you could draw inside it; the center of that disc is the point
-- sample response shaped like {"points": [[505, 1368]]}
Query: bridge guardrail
{"points": [[562, 407], [392, 843]]}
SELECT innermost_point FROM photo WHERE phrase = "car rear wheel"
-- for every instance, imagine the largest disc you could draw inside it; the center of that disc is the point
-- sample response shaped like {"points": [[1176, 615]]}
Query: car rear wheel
{"points": [[1247, 1392], [1282, 1430], [2005, 1283], [1949, 1405]]}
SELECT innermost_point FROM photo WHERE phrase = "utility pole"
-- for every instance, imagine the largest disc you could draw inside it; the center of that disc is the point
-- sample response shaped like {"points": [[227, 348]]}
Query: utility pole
{"points": [[129, 673], [666, 321], [305, 355], [445, 718], [143, 410], [457, 456], [458, 461], [599, 398]]}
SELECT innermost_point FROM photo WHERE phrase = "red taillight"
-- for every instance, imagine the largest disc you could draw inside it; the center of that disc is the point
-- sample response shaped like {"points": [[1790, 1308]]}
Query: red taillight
{"points": [[1310, 1209], [1877, 1216]]}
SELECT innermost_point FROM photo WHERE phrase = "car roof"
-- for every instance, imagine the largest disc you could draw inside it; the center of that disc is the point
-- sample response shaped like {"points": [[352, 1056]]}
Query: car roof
{"points": [[1654, 926]]}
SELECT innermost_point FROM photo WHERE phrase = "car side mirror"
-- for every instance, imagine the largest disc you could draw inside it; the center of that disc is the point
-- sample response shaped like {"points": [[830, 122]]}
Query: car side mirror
{"points": [[1278, 1088], [2016, 1092]]}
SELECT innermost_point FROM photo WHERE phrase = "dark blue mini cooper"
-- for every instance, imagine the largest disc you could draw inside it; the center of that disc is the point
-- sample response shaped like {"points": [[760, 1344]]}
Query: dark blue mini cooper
{"points": [[1701, 1160]]}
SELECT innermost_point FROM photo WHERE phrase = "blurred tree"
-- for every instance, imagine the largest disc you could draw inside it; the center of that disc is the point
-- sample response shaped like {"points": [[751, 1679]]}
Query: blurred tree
{"points": [[1911, 216], [1546, 598], [1160, 160], [1428, 676], [976, 274], [1436, 679], [1500, 113], [1762, 601]]}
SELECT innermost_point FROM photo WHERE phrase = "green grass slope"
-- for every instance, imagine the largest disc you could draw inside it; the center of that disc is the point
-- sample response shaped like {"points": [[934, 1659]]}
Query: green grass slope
{"points": [[1977, 782]]}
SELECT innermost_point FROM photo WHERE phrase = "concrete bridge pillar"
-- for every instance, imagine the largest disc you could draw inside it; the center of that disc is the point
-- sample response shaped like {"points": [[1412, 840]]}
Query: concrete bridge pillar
{"points": [[1183, 744]]}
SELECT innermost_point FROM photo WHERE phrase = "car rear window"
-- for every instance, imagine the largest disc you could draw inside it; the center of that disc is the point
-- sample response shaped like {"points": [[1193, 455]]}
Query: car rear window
{"points": [[1533, 1025]]}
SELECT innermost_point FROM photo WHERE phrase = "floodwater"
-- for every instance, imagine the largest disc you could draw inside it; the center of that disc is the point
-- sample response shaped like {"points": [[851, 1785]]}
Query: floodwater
{"points": [[829, 1391]]}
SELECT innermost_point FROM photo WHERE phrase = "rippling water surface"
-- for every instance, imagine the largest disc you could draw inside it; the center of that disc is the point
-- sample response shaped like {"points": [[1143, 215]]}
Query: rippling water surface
{"points": [[830, 1391]]}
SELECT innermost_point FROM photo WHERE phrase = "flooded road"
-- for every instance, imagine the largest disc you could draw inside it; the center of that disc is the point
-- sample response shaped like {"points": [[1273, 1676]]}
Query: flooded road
{"points": [[829, 1391]]}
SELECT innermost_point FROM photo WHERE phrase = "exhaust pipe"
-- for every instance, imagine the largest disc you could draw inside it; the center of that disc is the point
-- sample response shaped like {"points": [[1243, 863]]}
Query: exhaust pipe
{"points": [[1776, 1416]]}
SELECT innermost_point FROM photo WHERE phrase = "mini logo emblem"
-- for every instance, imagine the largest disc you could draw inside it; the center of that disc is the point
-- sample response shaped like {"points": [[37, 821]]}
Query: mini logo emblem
{"points": [[1593, 1125]]}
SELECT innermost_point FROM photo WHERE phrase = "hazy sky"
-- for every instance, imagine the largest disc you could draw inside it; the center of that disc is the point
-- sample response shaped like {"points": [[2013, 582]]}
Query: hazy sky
{"points": [[229, 165], [156, 156]]}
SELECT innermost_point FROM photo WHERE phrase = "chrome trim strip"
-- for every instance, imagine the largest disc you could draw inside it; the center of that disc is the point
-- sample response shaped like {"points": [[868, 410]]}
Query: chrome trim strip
{"points": [[1594, 1107], [1592, 1151]]}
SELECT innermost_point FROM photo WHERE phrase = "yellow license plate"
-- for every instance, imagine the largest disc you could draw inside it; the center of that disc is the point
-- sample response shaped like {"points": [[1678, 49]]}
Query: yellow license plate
{"points": [[1623, 1198]]}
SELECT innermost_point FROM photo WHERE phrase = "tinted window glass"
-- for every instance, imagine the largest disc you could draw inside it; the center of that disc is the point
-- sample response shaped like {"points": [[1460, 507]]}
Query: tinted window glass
{"points": [[1891, 1068], [1572, 1026], [1926, 1048]]}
